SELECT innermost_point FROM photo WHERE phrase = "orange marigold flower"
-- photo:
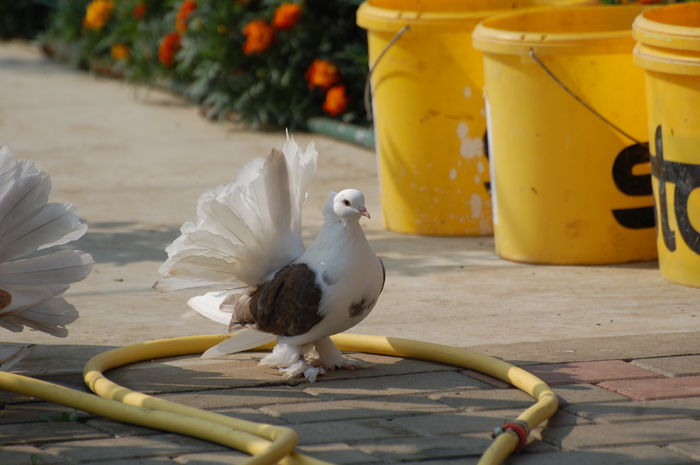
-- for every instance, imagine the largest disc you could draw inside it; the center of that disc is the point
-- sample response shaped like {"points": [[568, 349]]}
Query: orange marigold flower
{"points": [[119, 52], [336, 101], [186, 9], [286, 16], [322, 73], [168, 47], [139, 11], [259, 35], [97, 14]]}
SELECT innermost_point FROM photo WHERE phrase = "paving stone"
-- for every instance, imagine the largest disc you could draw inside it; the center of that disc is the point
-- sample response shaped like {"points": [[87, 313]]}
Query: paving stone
{"points": [[450, 423], [250, 414], [194, 374], [134, 461], [560, 417], [129, 447], [613, 412], [664, 388], [228, 457], [683, 365], [242, 397], [687, 449], [39, 433], [347, 431], [640, 432], [7, 397], [636, 455], [377, 407], [28, 412], [435, 448], [484, 378], [589, 372], [631, 346], [585, 393], [338, 453], [417, 383], [118, 429], [24, 454], [484, 399]]}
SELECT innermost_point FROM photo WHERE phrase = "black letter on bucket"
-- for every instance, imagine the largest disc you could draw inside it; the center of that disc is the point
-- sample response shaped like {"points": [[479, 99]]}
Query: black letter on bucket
{"points": [[630, 184], [686, 178]]}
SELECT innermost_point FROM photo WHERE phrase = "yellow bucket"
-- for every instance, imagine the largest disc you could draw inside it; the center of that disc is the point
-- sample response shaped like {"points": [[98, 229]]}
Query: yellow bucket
{"points": [[568, 188], [669, 51], [429, 112]]}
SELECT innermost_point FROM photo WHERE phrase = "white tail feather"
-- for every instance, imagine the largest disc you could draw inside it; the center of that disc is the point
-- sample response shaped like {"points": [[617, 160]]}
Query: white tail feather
{"points": [[243, 340], [229, 244], [209, 306]]}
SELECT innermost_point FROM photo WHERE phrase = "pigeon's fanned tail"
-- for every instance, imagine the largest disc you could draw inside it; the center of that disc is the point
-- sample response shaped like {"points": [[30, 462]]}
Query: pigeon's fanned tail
{"points": [[209, 306], [243, 340], [229, 243]]}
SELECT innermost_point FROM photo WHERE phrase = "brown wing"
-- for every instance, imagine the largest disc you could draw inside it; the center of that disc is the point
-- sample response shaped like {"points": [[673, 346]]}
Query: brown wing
{"points": [[287, 305]]}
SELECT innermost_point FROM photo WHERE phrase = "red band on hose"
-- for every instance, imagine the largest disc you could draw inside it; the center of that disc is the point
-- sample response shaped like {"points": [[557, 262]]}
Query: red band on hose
{"points": [[519, 429]]}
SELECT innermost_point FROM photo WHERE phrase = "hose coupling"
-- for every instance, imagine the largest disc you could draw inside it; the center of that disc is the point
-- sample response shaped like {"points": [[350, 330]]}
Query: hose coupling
{"points": [[519, 427]]}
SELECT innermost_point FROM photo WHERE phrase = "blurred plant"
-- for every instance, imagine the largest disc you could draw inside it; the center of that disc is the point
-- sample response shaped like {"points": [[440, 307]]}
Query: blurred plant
{"points": [[270, 62]]}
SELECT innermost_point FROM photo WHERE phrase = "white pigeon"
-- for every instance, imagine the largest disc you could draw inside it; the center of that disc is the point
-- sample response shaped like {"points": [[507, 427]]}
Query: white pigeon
{"points": [[247, 240], [31, 280]]}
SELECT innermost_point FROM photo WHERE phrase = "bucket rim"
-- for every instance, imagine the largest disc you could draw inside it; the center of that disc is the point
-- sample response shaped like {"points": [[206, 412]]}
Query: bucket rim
{"points": [[666, 61], [650, 31], [375, 18], [488, 38]]}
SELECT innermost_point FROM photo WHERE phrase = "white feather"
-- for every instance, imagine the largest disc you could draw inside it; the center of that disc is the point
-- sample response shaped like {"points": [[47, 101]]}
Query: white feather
{"points": [[29, 224], [244, 339], [229, 243]]}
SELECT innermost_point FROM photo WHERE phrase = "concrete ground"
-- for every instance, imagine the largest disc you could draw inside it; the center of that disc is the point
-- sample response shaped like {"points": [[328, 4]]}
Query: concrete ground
{"points": [[620, 345]]}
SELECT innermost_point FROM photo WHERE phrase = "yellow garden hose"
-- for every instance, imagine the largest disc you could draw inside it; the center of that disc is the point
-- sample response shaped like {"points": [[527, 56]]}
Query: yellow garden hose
{"points": [[269, 444]]}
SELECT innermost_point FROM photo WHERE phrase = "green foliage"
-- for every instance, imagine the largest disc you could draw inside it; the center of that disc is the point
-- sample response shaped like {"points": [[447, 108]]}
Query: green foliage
{"points": [[266, 89], [62, 417]]}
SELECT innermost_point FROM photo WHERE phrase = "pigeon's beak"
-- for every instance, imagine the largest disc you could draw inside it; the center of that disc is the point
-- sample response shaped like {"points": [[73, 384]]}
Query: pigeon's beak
{"points": [[363, 211]]}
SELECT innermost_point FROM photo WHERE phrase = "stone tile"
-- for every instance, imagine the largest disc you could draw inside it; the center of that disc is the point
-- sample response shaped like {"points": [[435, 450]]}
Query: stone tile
{"points": [[426, 448], [377, 407], [336, 452], [415, 383], [39, 433], [134, 461], [613, 412], [687, 449], [242, 397], [129, 448], [589, 372], [347, 431], [24, 454], [450, 423], [484, 378], [560, 417], [664, 388], [636, 455], [585, 393], [484, 399], [458, 461], [683, 365], [380, 365], [607, 435], [28, 412], [595, 348], [250, 414], [119, 429], [7, 397], [228, 457]]}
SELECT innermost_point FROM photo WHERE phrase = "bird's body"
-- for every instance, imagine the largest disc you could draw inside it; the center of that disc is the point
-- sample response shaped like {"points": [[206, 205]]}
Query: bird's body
{"points": [[301, 296]]}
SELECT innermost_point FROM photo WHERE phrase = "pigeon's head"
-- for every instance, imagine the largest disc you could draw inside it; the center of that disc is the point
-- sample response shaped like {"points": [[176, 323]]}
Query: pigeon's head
{"points": [[348, 204]]}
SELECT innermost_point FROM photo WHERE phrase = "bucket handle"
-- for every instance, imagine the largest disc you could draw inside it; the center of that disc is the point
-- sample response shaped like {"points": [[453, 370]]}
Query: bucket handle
{"points": [[368, 93], [579, 99]]}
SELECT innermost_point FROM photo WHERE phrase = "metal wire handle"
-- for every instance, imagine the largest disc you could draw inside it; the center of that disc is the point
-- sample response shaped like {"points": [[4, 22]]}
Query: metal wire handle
{"points": [[368, 93], [579, 99]]}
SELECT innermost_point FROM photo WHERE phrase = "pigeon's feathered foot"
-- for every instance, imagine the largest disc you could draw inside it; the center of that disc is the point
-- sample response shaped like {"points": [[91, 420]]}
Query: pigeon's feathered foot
{"points": [[289, 358], [331, 358]]}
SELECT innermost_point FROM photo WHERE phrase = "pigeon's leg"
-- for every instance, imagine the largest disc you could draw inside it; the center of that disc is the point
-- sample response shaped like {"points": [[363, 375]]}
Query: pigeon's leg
{"points": [[331, 358], [289, 358]]}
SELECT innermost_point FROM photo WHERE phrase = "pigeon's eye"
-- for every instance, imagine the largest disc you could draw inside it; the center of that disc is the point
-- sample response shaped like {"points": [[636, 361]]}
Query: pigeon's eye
{"points": [[346, 202]]}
